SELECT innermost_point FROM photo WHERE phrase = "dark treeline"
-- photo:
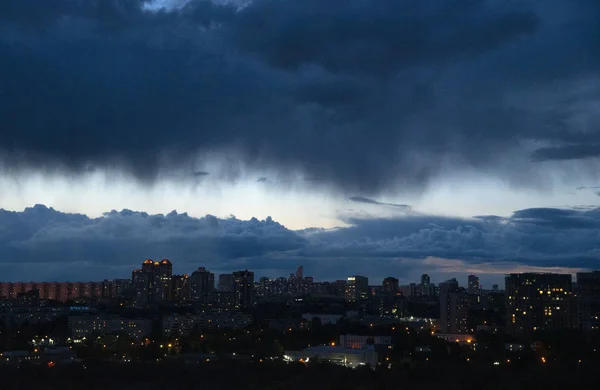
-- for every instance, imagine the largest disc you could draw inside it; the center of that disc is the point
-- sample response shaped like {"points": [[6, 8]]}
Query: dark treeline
{"points": [[277, 375]]}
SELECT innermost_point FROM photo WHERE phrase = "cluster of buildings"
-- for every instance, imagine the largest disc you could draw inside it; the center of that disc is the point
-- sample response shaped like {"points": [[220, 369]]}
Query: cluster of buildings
{"points": [[530, 302], [65, 291], [534, 302], [154, 283]]}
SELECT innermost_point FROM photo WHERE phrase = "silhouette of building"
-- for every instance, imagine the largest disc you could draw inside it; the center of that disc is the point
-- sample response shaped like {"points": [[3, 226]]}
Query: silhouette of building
{"points": [[226, 282], [588, 302], [390, 285], [202, 284], [243, 289], [473, 284], [163, 279], [181, 288]]}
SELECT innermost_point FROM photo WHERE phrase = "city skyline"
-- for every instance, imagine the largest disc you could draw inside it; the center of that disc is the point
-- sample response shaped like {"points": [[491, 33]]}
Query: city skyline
{"points": [[471, 282]]}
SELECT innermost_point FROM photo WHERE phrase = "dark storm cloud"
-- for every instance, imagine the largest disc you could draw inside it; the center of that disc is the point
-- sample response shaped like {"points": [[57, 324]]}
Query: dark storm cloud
{"points": [[569, 152], [44, 243], [362, 199], [364, 95], [41, 237], [535, 237], [375, 38]]}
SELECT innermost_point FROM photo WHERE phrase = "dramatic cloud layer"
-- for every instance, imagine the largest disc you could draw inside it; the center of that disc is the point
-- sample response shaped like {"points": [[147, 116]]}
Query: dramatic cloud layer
{"points": [[365, 95], [42, 243]]}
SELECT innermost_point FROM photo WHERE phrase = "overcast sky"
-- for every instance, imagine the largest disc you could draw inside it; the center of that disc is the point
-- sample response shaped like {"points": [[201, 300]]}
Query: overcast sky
{"points": [[382, 137]]}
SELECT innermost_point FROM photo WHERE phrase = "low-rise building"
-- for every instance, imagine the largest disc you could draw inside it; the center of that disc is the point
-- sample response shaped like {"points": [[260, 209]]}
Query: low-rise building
{"points": [[326, 319], [85, 325], [459, 338], [16, 316], [359, 342], [183, 324]]}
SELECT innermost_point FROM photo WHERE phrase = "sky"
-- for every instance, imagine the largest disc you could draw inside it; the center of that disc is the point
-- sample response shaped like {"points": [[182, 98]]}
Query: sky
{"points": [[380, 137]]}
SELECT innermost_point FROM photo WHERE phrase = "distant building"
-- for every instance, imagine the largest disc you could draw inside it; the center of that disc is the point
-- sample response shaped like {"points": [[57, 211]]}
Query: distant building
{"points": [[359, 342], [410, 290], [88, 324], [538, 302], [390, 285], [495, 287], [457, 338], [60, 291], [425, 280], [357, 288], [29, 298], [473, 284], [588, 302], [202, 284], [243, 289], [181, 288], [16, 316], [153, 282], [454, 308], [338, 288], [121, 287], [326, 319], [163, 275], [222, 319], [225, 283], [389, 305], [427, 289]]}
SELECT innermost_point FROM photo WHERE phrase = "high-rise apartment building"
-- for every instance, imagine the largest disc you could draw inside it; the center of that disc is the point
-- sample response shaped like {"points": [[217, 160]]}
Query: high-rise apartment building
{"points": [[473, 284], [163, 279], [181, 288], [357, 288], [153, 283], [425, 280], [202, 284], [225, 283], [427, 289], [243, 289], [538, 302], [588, 302], [390, 285], [454, 308]]}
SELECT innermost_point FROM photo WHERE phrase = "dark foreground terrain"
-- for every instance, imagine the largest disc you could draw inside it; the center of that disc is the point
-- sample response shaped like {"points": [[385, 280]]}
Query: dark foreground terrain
{"points": [[234, 375]]}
